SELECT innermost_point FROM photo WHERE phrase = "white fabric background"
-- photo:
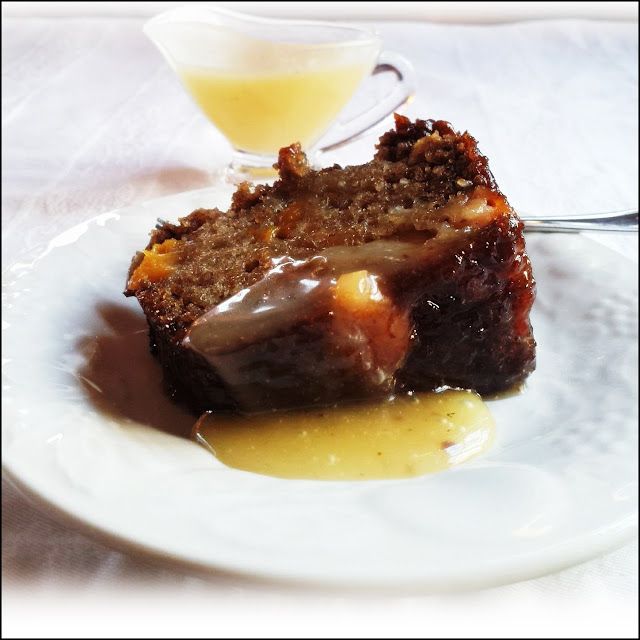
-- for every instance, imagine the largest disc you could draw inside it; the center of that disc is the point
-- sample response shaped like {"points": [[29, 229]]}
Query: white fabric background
{"points": [[93, 119], [455, 12]]}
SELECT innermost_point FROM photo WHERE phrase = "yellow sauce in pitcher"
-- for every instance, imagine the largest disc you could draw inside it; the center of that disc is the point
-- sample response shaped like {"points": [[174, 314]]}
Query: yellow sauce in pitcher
{"points": [[261, 112]]}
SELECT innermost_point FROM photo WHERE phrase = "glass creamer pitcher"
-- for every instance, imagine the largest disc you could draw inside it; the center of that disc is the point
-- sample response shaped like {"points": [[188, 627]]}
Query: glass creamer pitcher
{"points": [[268, 83]]}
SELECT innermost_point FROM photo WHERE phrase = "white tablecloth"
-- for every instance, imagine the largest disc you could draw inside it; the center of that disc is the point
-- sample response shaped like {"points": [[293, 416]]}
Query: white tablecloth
{"points": [[93, 119]]}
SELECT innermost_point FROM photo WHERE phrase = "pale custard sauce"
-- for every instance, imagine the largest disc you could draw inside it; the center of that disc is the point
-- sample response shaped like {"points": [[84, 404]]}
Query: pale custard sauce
{"points": [[261, 112], [405, 436]]}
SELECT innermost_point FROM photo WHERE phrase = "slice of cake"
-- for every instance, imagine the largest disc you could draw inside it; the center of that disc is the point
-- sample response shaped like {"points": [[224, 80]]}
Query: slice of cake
{"points": [[403, 274]]}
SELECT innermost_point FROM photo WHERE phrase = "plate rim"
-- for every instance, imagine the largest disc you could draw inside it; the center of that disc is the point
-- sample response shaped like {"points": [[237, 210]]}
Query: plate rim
{"points": [[589, 546]]}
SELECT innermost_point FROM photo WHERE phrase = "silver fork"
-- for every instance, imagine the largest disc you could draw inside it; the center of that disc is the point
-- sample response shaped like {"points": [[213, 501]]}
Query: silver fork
{"points": [[612, 221]]}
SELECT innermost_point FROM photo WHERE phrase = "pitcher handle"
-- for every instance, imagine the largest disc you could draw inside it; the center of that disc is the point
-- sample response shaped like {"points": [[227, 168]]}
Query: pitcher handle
{"points": [[401, 93]]}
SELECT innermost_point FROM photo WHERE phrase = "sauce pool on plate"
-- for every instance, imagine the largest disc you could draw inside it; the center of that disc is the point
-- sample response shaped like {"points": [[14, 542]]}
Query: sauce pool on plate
{"points": [[405, 436]]}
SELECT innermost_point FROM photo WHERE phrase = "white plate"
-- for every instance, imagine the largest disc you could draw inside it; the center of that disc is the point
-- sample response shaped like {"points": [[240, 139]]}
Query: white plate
{"points": [[559, 486]]}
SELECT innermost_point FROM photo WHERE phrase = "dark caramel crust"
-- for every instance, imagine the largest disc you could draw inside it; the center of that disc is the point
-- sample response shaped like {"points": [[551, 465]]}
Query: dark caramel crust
{"points": [[469, 305], [472, 324], [455, 155]]}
